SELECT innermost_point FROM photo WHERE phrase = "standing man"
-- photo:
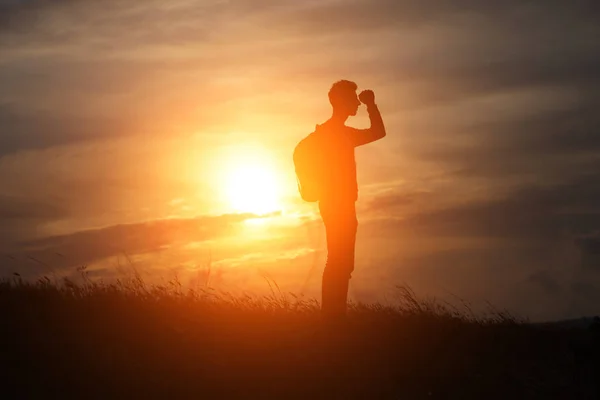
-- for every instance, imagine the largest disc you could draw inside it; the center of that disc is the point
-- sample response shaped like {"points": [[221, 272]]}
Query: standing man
{"points": [[340, 189]]}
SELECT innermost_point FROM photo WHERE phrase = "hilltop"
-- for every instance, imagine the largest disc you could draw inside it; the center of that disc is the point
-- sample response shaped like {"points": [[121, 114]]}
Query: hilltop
{"points": [[132, 340]]}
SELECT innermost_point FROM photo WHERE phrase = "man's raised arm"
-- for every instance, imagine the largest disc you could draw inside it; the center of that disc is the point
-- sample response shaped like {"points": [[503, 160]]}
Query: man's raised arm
{"points": [[377, 129]]}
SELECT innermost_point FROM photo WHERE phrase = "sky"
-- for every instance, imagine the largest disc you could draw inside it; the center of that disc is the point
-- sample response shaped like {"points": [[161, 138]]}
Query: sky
{"points": [[127, 130]]}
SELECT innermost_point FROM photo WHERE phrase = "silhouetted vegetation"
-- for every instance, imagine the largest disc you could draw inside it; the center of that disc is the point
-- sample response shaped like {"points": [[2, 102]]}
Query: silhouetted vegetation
{"points": [[128, 339]]}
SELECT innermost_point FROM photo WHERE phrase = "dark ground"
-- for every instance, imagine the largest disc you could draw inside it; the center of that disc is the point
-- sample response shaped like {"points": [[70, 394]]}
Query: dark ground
{"points": [[130, 341]]}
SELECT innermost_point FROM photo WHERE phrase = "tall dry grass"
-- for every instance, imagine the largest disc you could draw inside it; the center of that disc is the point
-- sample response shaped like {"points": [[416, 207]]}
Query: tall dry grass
{"points": [[128, 338]]}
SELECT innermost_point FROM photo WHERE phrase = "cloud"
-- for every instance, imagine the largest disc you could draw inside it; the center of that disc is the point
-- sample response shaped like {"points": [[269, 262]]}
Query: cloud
{"points": [[31, 129], [16, 208], [361, 15], [20, 216], [546, 280], [84, 247], [566, 209], [463, 50], [589, 245], [547, 142]]}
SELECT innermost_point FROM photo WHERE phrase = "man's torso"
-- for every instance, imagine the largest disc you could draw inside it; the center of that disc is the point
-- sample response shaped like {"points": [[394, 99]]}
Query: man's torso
{"points": [[339, 172]]}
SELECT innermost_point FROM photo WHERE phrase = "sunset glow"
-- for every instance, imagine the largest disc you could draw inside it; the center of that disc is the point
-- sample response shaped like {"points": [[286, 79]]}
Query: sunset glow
{"points": [[164, 132]]}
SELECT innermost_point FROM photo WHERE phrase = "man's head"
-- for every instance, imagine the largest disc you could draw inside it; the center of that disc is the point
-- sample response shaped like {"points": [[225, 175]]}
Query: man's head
{"points": [[343, 98]]}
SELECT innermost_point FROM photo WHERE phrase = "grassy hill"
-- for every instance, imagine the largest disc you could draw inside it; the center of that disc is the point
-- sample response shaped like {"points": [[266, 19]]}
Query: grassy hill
{"points": [[132, 340]]}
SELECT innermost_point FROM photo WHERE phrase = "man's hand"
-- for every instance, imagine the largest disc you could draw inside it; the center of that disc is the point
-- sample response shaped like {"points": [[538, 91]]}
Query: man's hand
{"points": [[377, 129], [367, 97]]}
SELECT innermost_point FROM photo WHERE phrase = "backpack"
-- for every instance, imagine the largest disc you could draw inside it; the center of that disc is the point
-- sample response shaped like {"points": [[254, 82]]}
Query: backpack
{"points": [[309, 164]]}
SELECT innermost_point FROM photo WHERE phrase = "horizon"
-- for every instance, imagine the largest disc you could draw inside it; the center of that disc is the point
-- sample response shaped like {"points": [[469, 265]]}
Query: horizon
{"points": [[161, 137]]}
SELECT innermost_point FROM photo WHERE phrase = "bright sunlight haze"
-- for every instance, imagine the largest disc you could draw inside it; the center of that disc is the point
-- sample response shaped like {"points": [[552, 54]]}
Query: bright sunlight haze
{"points": [[250, 182]]}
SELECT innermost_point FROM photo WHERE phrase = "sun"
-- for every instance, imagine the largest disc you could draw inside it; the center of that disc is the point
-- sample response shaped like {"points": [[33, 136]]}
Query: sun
{"points": [[252, 188], [250, 183]]}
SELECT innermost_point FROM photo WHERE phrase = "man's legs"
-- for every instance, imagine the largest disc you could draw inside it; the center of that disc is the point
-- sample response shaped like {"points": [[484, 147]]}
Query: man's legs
{"points": [[340, 227]]}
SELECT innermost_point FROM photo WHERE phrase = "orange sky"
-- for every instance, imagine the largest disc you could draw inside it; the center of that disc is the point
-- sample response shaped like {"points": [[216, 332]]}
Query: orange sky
{"points": [[125, 126]]}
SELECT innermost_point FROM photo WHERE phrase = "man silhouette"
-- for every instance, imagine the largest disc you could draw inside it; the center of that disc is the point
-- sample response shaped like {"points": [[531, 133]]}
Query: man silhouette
{"points": [[340, 189]]}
